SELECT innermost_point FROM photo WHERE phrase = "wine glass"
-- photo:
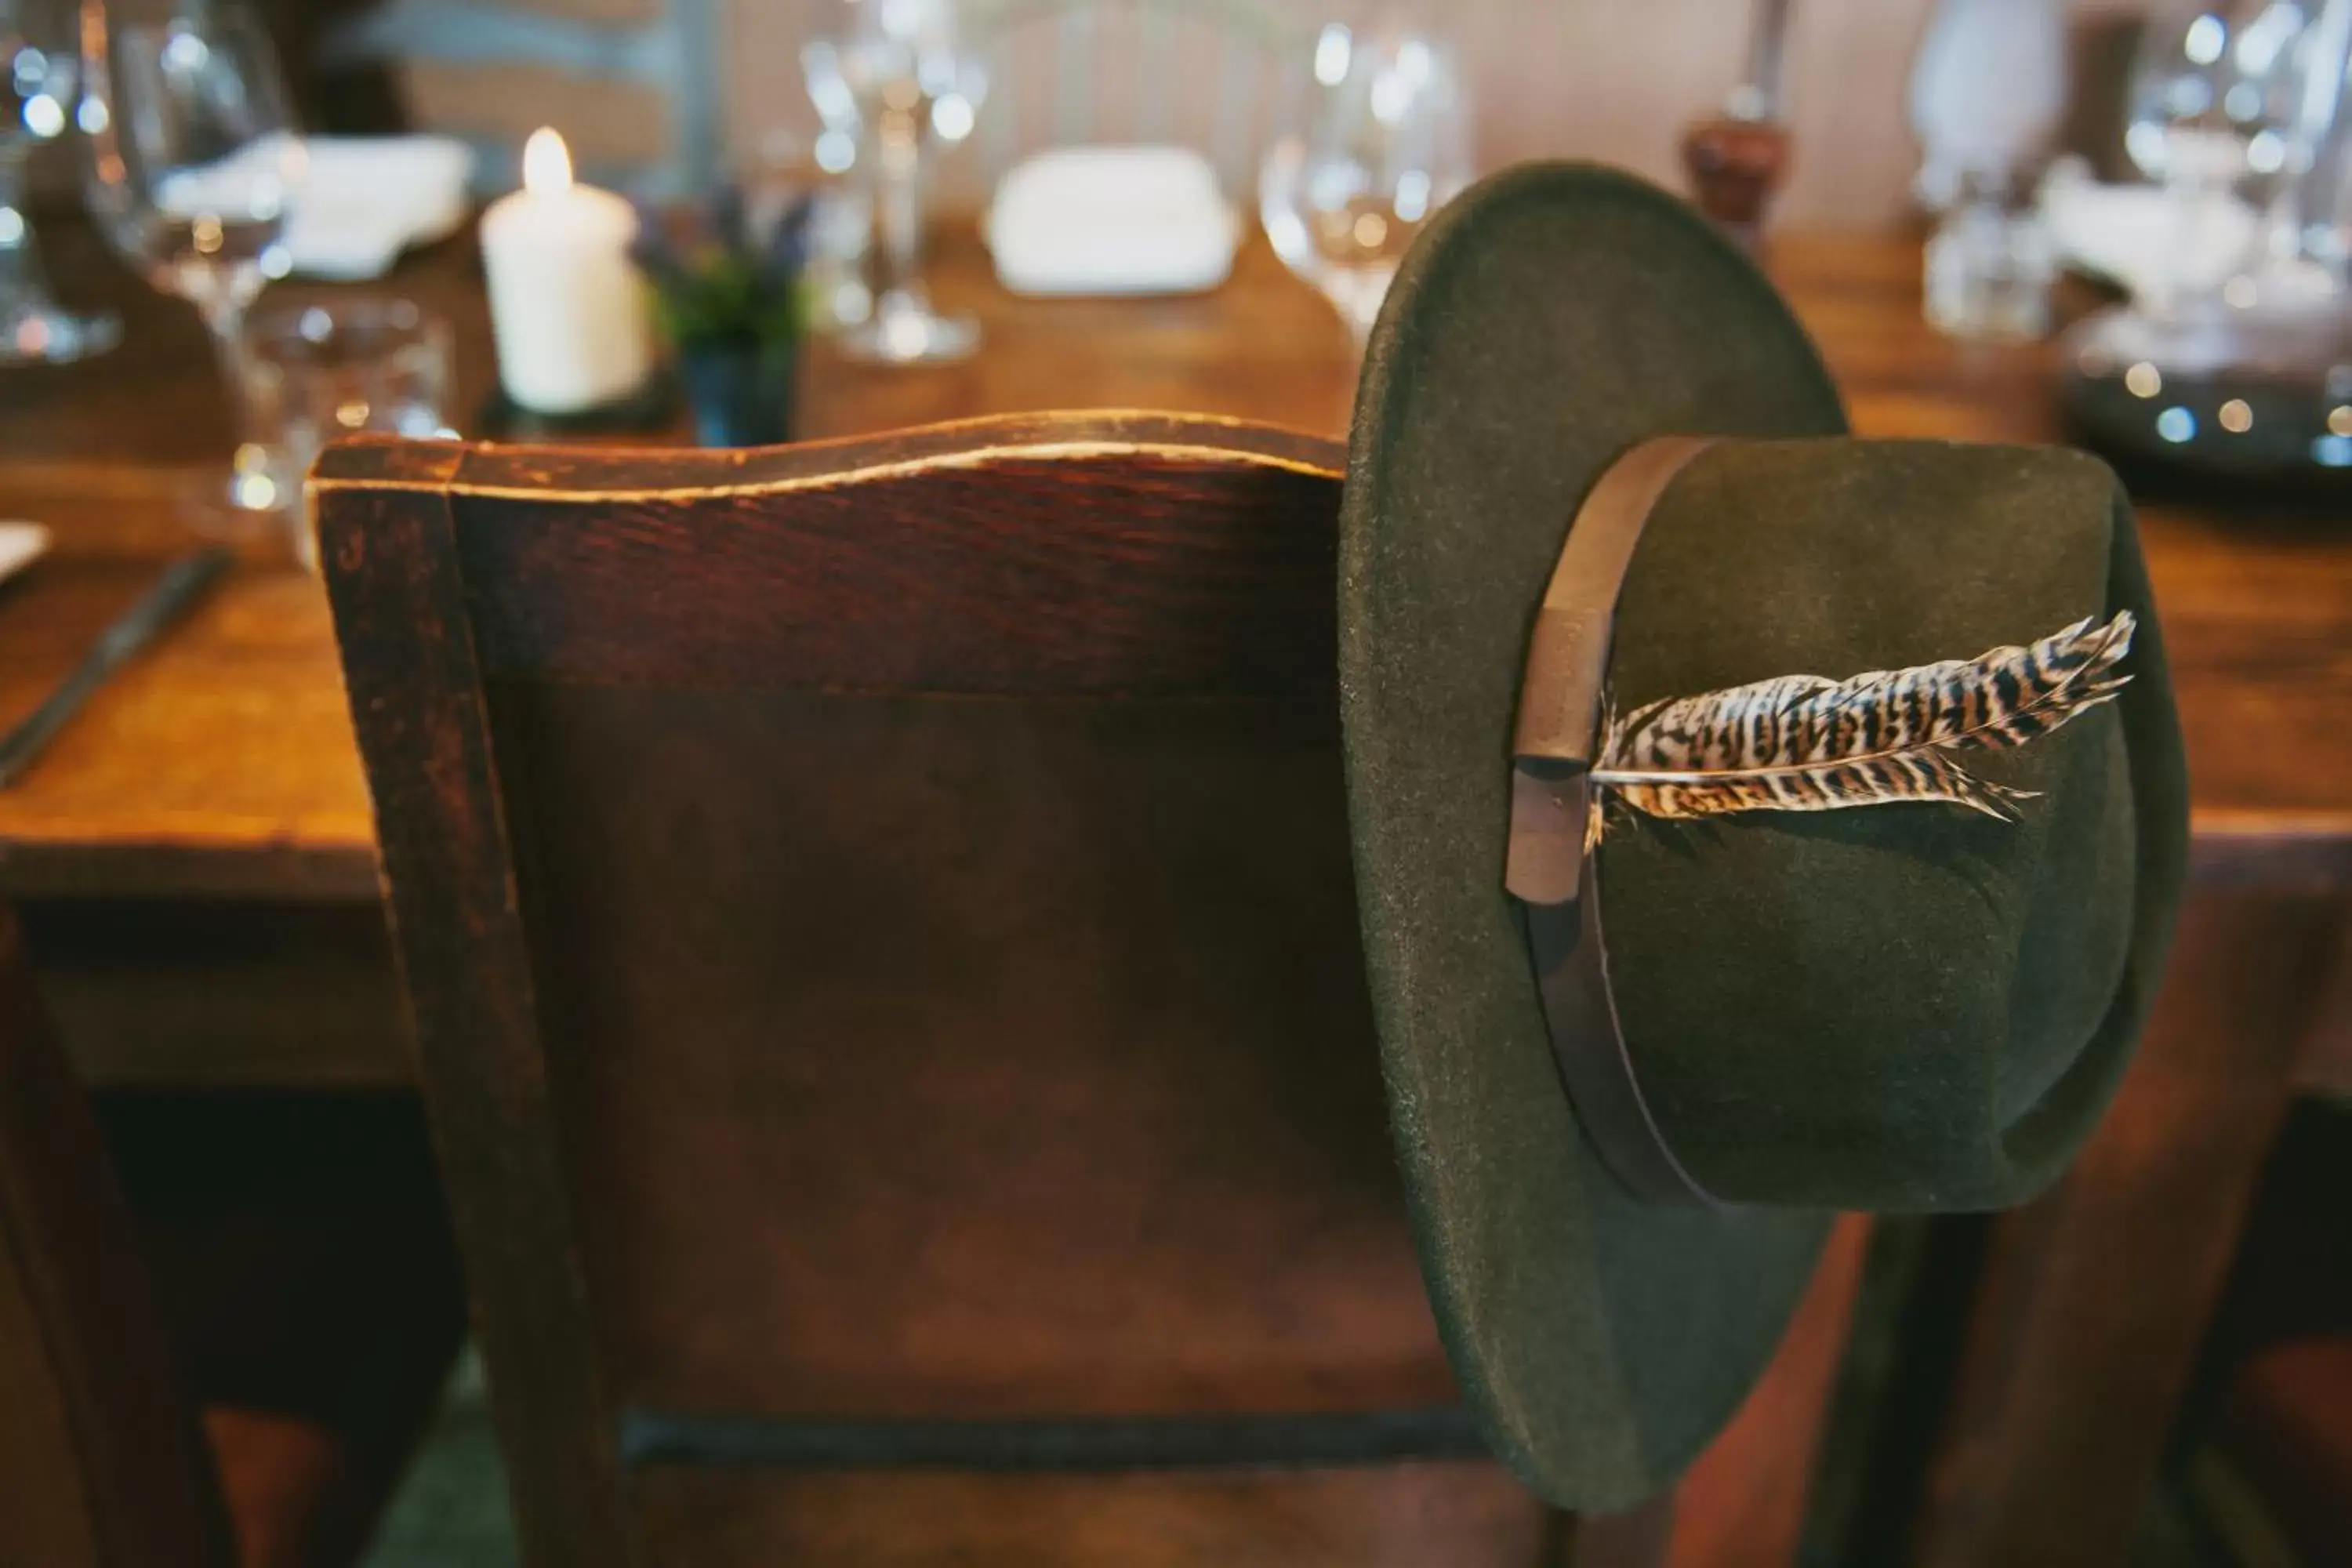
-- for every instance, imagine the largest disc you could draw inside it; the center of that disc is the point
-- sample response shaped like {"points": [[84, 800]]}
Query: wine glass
{"points": [[193, 167], [1384, 142], [2234, 362], [2215, 115], [2309, 223], [38, 70], [896, 75]]}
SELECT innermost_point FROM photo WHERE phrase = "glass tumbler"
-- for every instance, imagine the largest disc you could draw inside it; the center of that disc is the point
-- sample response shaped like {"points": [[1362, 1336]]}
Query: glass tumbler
{"points": [[319, 371]]}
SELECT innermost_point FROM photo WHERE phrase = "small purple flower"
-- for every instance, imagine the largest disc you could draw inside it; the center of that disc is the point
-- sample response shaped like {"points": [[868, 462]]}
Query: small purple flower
{"points": [[720, 273]]}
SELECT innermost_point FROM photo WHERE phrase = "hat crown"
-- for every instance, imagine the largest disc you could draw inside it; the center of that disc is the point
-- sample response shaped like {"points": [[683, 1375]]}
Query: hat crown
{"points": [[1546, 322], [1904, 1006]]}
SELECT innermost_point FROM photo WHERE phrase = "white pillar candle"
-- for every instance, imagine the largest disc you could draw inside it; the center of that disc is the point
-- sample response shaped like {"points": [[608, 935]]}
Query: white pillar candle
{"points": [[567, 309]]}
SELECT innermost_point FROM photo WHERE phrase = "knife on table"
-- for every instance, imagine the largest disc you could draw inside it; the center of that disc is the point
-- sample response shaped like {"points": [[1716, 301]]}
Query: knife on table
{"points": [[184, 582]]}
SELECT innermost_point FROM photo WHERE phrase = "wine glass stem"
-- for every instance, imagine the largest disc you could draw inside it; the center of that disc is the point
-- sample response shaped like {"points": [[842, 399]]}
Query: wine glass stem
{"points": [[898, 206], [23, 285], [224, 319], [2193, 202]]}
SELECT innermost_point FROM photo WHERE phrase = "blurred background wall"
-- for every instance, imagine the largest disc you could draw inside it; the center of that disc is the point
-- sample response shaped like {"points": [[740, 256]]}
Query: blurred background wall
{"points": [[1615, 79]]}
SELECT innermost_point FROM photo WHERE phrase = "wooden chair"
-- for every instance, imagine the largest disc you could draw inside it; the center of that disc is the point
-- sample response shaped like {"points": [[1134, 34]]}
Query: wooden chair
{"points": [[117, 1318], [878, 925], [2276, 1483], [101, 1461], [2266, 1445]]}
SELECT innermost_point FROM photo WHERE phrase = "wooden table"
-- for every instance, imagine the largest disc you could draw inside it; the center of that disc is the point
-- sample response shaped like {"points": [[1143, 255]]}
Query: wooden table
{"points": [[222, 767], [195, 850]]}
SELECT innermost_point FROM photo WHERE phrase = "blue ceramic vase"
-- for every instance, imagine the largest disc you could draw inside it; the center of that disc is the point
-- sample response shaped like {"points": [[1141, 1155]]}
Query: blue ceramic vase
{"points": [[740, 390]]}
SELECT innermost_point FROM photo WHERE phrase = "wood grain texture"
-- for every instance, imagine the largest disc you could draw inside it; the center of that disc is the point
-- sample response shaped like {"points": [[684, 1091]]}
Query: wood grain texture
{"points": [[1045, 1094], [313, 1309], [222, 765], [1745, 1501], [101, 1463], [2257, 601], [2327, 1064], [2096, 1296], [413, 685], [1130, 595], [1474, 1515], [1121, 882], [2281, 1452], [181, 992], [1641, 1537]]}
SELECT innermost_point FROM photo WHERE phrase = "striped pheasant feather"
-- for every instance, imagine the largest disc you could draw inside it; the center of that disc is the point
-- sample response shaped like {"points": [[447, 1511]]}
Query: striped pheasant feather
{"points": [[1799, 742]]}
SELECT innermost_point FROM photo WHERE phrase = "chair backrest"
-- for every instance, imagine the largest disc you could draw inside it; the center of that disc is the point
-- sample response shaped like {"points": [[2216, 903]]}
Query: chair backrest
{"points": [[674, 52], [877, 924], [102, 1464]]}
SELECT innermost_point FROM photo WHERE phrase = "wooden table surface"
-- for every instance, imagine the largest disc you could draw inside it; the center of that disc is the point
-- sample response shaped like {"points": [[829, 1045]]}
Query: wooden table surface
{"points": [[222, 765]]}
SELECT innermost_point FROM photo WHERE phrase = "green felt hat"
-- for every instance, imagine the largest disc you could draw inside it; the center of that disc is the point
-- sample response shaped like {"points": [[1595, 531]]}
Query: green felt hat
{"points": [[1898, 1007]]}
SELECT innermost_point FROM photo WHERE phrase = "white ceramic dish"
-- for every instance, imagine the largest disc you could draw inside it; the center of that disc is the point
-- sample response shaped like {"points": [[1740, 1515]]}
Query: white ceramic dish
{"points": [[2136, 237], [21, 544], [1111, 221]]}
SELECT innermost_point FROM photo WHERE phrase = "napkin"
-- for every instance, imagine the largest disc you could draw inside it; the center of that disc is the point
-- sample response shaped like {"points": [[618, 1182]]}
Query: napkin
{"points": [[2144, 239], [365, 199], [353, 203], [1111, 220]]}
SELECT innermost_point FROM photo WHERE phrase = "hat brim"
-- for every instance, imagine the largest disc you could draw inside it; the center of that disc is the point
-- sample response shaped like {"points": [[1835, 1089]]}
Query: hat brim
{"points": [[1549, 319]]}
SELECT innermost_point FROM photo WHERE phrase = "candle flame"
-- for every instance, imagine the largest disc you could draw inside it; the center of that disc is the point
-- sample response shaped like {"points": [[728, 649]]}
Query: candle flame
{"points": [[546, 163]]}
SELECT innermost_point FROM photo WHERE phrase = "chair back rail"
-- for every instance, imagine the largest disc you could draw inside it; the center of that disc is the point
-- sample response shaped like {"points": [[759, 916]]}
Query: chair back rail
{"points": [[102, 1463], [877, 924]]}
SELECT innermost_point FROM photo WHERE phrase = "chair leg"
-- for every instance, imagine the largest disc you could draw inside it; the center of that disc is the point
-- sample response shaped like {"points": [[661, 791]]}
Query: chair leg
{"points": [[1638, 1538]]}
